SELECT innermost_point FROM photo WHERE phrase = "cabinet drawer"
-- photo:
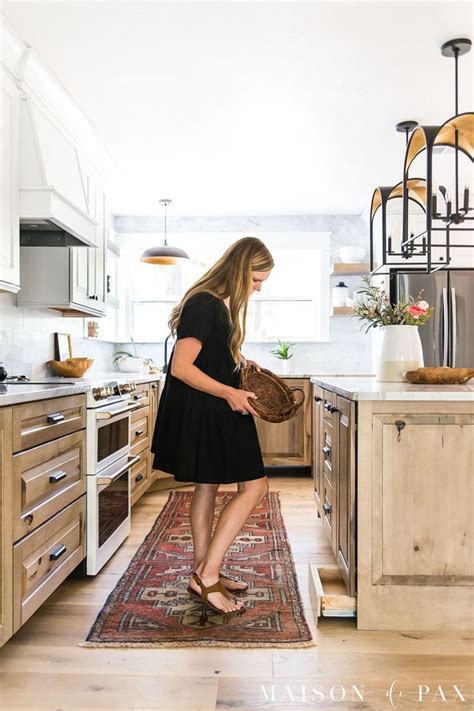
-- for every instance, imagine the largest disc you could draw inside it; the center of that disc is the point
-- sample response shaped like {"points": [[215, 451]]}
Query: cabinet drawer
{"points": [[139, 428], [38, 422], [43, 559], [328, 453], [142, 394], [46, 479], [139, 477], [328, 593]]}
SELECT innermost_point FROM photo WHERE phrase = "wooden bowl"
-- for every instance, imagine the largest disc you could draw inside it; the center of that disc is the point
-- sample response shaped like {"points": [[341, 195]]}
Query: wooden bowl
{"points": [[71, 367], [276, 400], [439, 376]]}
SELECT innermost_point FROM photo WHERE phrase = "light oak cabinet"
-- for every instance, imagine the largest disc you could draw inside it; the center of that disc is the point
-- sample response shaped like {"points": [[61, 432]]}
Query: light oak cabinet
{"points": [[140, 443], [415, 515], [42, 503], [334, 476], [9, 192], [288, 444], [6, 536]]}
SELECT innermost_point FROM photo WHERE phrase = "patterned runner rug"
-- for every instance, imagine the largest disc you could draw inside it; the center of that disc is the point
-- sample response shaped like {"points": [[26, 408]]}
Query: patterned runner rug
{"points": [[150, 606]]}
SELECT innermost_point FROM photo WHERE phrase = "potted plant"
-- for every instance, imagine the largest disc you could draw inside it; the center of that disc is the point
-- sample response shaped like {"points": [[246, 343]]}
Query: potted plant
{"points": [[401, 345], [283, 353], [132, 362]]}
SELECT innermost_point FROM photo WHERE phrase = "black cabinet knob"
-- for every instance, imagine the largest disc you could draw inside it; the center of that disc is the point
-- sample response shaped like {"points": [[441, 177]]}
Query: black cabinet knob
{"points": [[58, 552], [327, 508], [318, 398]]}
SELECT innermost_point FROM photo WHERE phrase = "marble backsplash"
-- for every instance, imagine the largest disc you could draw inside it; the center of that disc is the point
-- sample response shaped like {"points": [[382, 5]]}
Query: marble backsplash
{"points": [[27, 342]]}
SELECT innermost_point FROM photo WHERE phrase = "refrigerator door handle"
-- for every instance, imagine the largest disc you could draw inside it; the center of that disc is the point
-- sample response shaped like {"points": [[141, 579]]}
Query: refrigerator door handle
{"points": [[453, 327], [443, 328]]}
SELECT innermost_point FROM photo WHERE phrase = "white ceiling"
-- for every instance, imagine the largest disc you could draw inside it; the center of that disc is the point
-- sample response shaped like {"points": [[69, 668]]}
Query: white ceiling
{"points": [[251, 107]]}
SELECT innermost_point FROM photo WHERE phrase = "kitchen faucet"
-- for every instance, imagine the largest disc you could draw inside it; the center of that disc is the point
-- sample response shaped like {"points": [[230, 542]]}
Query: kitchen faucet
{"points": [[165, 367]]}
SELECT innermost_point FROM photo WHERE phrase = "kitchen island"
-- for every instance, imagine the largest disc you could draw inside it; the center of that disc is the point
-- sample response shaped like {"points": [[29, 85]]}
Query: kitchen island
{"points": [[393, 483]]}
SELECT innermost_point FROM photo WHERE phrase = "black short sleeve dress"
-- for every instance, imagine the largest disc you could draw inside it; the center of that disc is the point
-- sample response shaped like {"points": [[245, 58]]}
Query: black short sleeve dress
{"points": [[197, 437]]}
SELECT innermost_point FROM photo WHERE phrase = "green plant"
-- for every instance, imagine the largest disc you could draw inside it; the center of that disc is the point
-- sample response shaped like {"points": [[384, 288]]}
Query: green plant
{"points": [[375, 307], [283, 350], [119, 355]]}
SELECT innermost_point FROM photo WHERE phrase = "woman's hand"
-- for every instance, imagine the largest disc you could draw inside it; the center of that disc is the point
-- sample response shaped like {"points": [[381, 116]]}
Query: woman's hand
{"points": [[252, 363], [237, 400]]}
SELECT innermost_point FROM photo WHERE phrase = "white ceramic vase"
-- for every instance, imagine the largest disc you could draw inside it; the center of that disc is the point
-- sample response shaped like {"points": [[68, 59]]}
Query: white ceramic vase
{"points": [[285, 365], [130, 364], [401, 350]]}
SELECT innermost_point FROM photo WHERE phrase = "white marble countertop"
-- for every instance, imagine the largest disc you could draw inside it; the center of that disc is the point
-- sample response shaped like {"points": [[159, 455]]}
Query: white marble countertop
{"points": [[17, 393], [367, 388]]}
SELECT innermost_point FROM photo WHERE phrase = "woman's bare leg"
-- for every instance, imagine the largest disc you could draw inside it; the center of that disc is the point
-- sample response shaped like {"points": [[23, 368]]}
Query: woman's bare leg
{"points": [[202, 515], [231, 520]]}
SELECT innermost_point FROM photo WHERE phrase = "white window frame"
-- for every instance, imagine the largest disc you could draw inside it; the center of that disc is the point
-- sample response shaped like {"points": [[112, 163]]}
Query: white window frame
{"points": [[275, 240]]}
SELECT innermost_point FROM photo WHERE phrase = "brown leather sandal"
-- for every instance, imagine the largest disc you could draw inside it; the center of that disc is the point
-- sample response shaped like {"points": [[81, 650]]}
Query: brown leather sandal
{"points": [[215, 587], [234, 591]]}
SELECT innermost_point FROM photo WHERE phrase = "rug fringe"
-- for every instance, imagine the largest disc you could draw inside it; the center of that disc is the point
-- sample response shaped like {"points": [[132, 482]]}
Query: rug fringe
{"points": [[210, 643]]}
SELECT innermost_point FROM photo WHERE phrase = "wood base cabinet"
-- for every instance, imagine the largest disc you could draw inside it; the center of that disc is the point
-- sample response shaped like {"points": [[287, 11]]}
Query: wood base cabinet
{"points": [[334, 476], [288, 444], [394, 488]]}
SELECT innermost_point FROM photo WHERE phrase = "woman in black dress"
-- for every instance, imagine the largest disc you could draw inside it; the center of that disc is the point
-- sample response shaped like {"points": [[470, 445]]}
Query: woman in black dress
{"points": [[205, 432]]}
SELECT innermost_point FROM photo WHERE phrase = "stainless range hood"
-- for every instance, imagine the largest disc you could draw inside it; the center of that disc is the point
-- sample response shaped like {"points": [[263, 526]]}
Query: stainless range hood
{"points": [[54, 210]]}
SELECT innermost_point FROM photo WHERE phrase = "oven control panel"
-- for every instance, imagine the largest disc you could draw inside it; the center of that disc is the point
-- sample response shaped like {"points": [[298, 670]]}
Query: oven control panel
{"points": [[113, 391]]}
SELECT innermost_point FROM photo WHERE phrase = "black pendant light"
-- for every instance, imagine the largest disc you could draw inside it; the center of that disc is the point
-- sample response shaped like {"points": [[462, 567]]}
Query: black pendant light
{"points": [[164, 254], [445, 215]]}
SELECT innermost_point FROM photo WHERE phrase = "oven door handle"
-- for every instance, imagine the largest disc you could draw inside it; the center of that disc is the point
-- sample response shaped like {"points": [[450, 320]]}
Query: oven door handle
{"points": [[119, 472], [108, 414]]}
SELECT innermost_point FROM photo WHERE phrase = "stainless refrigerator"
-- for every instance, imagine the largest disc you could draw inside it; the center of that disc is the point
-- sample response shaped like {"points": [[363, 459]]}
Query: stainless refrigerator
{"points": [[448, 336]]}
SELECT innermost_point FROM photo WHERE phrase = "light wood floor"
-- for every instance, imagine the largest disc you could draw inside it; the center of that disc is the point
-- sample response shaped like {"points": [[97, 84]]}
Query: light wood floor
{"points": [[43, 668]]}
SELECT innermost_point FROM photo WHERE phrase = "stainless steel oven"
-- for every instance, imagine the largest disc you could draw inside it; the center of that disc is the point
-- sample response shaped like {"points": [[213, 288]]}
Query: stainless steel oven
{"points": [[108, 471], [108, 512]]}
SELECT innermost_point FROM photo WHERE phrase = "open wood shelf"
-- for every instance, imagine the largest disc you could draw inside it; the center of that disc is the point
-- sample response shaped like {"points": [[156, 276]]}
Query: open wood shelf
{"points": [[349, 269], [342, 311]]}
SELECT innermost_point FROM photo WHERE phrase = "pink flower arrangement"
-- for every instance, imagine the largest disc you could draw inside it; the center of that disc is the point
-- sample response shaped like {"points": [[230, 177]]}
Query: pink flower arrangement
{"points": [[377, 310]]}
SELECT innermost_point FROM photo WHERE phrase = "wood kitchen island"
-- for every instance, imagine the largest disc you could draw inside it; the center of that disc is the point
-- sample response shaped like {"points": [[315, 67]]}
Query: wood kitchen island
{"points": [[393, 484]]}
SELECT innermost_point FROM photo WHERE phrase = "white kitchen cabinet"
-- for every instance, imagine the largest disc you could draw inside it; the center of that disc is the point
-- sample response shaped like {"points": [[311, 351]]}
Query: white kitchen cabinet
{"points": [[70, 280], [9, 190]]}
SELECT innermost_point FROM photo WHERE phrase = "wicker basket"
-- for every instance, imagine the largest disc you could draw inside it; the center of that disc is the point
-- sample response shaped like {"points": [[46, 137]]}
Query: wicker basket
{"points": [[276, 400], [71, 367], [439, 376]]}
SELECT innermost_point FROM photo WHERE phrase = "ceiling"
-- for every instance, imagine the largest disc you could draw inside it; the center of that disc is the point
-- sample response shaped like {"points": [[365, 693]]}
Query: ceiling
{"points": [[244, 108]]}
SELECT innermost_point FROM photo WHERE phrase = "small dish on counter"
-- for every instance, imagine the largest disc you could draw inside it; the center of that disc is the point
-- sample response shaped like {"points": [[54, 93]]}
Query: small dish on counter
{"points": [[71, 367], [439, 376]]}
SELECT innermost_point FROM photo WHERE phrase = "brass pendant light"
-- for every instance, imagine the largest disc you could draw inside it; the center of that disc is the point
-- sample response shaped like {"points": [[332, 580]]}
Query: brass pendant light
{"points": [[164, 254]]}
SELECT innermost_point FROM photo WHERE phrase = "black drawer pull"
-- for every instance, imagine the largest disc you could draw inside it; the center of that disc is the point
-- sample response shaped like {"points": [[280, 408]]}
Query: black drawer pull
{"points": [[154, 386], [138, 396], [326, 451], [138, 432], [330, 408], [55, 417], [139, 477], [28, 519], [60, 550], [327, 508], [54, 478], [318, 398]]}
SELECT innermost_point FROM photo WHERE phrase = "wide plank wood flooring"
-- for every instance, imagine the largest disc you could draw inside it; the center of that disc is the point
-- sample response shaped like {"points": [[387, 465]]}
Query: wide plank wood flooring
{"points": [[42, 668]]}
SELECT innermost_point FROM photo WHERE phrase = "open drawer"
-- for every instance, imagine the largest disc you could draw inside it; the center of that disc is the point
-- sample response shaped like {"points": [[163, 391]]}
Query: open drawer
{"points": [[328, 592]]}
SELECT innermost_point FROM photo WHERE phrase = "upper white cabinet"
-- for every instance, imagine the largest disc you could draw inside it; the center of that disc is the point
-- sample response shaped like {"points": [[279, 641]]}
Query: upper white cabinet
{"points": [[9, 218]]}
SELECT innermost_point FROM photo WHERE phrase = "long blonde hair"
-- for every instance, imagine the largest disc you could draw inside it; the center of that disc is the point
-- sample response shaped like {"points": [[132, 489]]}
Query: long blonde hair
{"points": [[231, 276]]}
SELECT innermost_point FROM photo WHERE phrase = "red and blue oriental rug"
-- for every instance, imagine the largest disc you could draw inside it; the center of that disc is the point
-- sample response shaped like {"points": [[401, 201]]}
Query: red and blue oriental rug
{"points": [[150, 606]]}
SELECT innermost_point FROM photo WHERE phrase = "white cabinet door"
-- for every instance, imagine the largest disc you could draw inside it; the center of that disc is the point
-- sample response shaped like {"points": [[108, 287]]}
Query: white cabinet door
{"points": [[97, 255], [9, 188]]}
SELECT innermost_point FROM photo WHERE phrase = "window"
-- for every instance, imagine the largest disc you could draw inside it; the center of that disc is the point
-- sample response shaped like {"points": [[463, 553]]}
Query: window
{"points": [[292, 305]]}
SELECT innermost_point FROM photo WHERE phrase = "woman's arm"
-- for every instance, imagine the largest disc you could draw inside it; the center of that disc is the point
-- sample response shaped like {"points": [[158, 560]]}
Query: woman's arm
{"points": [[185, 353]]}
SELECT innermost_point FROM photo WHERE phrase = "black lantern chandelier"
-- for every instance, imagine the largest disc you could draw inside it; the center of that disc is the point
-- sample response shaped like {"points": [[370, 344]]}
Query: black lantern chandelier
{"points": [[444, 212], [164, 254]]}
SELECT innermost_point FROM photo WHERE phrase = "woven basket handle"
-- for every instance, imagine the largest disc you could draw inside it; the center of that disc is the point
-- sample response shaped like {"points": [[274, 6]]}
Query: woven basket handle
{"points": [[299, 402]]}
